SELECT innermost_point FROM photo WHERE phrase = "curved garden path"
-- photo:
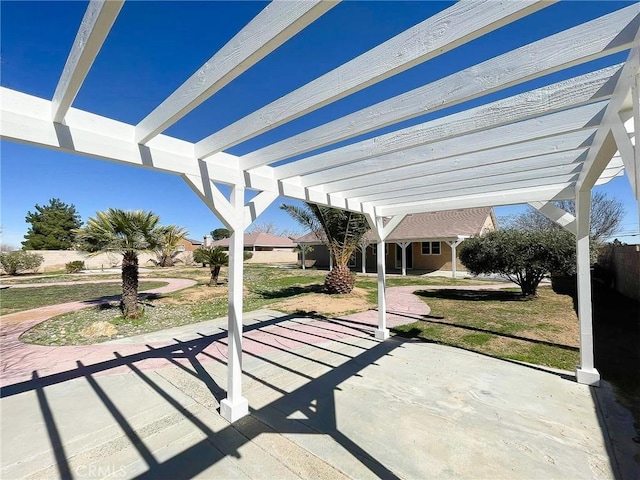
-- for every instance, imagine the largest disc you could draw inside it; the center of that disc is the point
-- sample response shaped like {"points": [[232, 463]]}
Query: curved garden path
{"points": [[268, 332]]}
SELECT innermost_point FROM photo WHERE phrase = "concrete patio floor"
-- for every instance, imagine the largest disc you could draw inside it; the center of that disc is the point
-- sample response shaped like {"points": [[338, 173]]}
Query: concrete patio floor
{"points": [[332, 403]]}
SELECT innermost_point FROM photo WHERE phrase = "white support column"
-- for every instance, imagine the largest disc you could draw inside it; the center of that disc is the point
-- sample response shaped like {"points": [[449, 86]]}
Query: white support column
{"points": [[382, 332], [585, 372], [363, 248], [330, 261], [403, 246], [303, 249], [235, 406], [635, 99], [454, 257]]}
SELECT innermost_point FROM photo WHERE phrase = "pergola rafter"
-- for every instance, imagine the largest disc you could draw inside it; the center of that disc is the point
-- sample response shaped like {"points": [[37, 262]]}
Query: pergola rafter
{"points": [[552, 142]]}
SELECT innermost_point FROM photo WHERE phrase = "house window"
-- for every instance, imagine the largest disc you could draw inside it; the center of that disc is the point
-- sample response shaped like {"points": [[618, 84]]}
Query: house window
{"points": [[430, 248]]}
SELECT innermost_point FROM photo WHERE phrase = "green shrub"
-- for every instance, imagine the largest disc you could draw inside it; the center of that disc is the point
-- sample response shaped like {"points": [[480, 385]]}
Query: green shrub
{"points": [[247, 256], [74, 267], [20, 261]]}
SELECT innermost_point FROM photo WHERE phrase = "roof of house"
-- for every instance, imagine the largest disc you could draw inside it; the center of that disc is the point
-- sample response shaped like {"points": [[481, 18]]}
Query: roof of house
{"points": [[259, 240], [193, 242], [433, 225]]}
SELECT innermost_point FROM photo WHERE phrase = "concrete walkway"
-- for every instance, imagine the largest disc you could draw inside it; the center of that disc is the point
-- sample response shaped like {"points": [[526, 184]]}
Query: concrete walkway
{"points": [[327, 399]]}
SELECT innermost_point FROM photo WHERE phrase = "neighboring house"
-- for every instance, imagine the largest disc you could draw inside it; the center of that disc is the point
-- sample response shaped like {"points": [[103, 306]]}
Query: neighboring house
{"points": [[429, 241], [189, 245], [265, 248], [261, 242]]}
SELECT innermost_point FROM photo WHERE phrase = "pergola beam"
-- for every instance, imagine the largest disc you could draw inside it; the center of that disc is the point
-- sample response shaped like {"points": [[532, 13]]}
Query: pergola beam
{"points": [[596, 39], [493, 199], [566, 94], [604, 146], [26, 119], [96, 25], [530, 177], [467, 168], [416, 45], [556, 132], [257, 205], [625, 147], [273, 26], [556, 215]]}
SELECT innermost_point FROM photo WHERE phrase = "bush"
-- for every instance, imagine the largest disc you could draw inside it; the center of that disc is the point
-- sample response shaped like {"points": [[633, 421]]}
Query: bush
{"points": [[524, 257], [20, 261], [74, 267], [247, 256]]}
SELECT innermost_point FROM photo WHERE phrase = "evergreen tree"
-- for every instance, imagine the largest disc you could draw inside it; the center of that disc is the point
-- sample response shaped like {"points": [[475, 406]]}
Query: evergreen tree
{"points": [[52, 226], [220, 233]]}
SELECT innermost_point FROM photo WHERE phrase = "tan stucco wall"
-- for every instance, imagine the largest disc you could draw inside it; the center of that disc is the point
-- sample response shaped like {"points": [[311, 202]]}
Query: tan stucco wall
{"points": [[56, 259], [273, 256]]}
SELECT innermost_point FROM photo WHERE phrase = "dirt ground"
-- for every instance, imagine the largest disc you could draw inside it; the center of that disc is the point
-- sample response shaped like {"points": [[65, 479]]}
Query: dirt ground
{"points": [[325, 304]]}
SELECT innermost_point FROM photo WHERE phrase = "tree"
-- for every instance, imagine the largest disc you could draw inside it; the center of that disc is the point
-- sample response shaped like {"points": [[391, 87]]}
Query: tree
{"points": [[215, 257], [14, 262], [524, 257], [606, 216], [128, 233], [52, 226], [220, 233], [269, 228], [340, 231], [167, 252]]}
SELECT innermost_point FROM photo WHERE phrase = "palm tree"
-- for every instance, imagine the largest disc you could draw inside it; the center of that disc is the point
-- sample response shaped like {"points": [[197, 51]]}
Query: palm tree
{"points": [[128, 233], [340, 231], [216, 257], [167, 252]]}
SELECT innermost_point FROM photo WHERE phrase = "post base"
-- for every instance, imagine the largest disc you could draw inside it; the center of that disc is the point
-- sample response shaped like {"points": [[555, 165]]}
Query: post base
{"points": [[234, 411], [588, 377], [382, 334]]}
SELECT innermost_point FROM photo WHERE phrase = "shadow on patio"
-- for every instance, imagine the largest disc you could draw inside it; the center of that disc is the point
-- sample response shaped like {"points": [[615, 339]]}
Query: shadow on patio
{"points": [[314, 399]]}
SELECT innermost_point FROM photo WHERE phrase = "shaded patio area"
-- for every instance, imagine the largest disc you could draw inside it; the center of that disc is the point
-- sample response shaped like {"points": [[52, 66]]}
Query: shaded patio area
{"points": [[327, 400]]}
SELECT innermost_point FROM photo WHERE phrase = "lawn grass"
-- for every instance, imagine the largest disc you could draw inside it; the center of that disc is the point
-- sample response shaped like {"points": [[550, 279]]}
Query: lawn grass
{"points": [[527, 331], [17, 299], [57, 277], [543, 331]]}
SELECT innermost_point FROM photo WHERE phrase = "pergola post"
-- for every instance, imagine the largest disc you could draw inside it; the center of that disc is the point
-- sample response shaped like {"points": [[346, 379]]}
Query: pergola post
{"points": [[381, 232], [363, 249], [235, 406], [454, 257], [635, 99], [303, 248], [382, 332], [403, 246], [585, 372], [330, 261]]}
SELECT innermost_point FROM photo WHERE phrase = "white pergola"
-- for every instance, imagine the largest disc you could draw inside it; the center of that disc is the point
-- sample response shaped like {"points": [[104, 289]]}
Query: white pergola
{"points": [[551, 143]]}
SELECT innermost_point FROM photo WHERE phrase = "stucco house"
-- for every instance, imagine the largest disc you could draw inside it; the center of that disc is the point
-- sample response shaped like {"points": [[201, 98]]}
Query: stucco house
{"points": [[429, 241], [189, 245], [261, 242], [266, 248]]}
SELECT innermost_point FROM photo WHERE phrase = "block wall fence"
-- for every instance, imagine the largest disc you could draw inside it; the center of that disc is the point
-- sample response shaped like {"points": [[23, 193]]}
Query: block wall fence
{"points": [[56, 259]]}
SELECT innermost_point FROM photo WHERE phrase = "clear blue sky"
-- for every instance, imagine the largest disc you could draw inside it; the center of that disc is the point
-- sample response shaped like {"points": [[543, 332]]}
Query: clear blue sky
{"points": [[155, 46]]}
